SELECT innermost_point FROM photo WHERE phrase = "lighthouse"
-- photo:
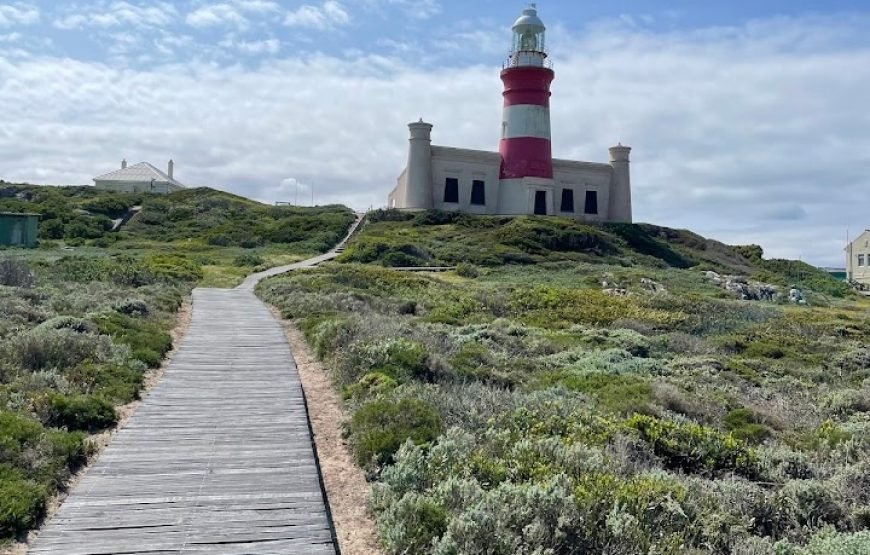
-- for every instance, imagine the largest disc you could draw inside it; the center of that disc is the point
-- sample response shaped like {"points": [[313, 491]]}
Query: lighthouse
{"points": [[525, 146], [522, 177]]}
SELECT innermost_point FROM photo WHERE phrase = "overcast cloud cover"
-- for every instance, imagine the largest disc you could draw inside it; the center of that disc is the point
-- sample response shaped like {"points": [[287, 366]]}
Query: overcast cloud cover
{"points": [[745, 129]]}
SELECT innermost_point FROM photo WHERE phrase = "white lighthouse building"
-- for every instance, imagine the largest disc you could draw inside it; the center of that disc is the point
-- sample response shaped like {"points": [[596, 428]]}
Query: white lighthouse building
{"points": [[522, 177]]}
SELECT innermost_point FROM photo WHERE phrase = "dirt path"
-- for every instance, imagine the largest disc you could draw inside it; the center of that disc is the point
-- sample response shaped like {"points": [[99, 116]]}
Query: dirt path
{"points": [[346, 486]]}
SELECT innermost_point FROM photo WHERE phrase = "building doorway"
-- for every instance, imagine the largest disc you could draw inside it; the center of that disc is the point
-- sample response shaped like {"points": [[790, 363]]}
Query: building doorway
{"points": [[541, 203]]}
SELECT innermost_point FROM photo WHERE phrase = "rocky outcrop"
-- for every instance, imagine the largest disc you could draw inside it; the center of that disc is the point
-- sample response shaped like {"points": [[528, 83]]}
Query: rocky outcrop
{"points": [[749, 290]]}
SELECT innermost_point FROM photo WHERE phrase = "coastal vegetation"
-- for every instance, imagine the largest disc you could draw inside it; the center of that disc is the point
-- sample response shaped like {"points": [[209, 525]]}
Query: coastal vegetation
{"points": [[592, 389], [225, 235], [84, 317]]}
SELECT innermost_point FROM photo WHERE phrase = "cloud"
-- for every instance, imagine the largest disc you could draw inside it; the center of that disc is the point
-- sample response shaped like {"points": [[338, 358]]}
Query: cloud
{"points": [[216, 14], [234, 13], [18, 14], [254, 47], [328, 15], [118, 14], [747, 134], [415, 9]]}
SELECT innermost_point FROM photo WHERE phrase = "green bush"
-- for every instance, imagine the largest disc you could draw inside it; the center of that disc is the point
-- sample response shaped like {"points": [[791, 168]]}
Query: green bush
{"points": [[412, 524], [370, 385], [400, 358], [379, 428], [132, 307], [248, 259], [45, 456], [172, 268], [467, 271], [743, 424], [78, 325], [694, 448], [147, 339], [41, 349], [22, 502], [77, 412]]}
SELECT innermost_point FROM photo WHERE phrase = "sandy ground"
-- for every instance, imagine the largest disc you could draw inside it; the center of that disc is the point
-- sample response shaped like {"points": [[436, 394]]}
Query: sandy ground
{"points": [[346, 486], [101, 440]]}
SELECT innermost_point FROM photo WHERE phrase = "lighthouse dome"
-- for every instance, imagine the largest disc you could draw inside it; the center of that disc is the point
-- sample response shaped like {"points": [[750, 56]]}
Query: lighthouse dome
{"points": [[529, 21]]}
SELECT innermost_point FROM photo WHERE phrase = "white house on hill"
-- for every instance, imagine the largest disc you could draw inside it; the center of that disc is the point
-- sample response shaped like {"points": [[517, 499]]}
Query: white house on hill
{"points": [[858, 259], [139, 178]]}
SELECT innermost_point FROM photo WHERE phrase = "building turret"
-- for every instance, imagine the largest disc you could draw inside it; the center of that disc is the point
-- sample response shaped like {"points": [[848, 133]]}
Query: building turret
{"points": [[525, 145], [419, 172], [620, 185]]}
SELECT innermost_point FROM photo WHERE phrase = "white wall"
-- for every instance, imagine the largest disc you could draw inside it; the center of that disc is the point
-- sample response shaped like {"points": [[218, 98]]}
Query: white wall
{"points": [[161, 187], [514, 196], [859, 247], [582, 177], [466, 166]]}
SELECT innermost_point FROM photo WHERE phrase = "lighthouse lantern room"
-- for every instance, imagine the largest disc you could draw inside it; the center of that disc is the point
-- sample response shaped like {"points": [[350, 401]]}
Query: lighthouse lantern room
{"points": [[529, 48], [522, 177]]}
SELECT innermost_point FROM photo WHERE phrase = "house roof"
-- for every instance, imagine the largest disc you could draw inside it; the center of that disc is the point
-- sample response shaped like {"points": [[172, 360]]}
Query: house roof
{"points": [[141, 172], [861, 236]]}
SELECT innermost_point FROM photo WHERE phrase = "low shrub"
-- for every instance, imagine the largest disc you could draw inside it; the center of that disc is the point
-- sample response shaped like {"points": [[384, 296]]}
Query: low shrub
{"points": [[694, 448], [40, 349], [401, 359], [78, 325], [43, 455], [248, 259], [172, 268], [147, 340], [77, 412], [379, 428], [743, 424], [370, 385], [412, 524], [16, 273], [467, 271], [132, 307], [22, 502]]}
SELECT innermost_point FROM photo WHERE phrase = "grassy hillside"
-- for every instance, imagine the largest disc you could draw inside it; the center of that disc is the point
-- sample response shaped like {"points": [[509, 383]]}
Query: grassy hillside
{"points": [[434, 238], [225, 235], [520, 408], [83, 317]]}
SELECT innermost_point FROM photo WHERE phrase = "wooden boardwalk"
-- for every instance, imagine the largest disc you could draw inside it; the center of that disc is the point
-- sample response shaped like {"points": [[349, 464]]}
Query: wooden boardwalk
{"points": [[217, 460]]}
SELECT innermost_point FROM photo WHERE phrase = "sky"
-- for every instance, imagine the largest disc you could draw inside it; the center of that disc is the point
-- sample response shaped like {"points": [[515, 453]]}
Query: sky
{"points": [[748, 119]]}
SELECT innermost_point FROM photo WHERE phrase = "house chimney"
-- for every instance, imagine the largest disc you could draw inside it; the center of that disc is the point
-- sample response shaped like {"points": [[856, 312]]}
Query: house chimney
{"points": [[171, 169], [124, 164]]}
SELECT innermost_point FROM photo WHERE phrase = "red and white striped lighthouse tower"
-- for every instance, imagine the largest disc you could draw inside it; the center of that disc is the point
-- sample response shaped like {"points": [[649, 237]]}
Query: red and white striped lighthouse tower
{"points": [[525, 141]]}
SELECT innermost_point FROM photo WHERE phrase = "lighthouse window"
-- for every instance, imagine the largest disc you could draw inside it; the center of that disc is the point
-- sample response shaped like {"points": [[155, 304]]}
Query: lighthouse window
{"points": [[478, 193], [591, 202], [567, 200], [451, 190]]}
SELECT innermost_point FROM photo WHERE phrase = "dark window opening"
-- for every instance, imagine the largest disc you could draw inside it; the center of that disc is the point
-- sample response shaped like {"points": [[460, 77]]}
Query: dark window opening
{"points": [[567, 200], [541, 203], [591, 202], [478, 193], [451, 190]]}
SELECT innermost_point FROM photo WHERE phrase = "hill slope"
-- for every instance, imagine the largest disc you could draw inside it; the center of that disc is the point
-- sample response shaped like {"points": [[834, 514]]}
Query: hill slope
{"points": [[445, 239], [525, 407]]}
